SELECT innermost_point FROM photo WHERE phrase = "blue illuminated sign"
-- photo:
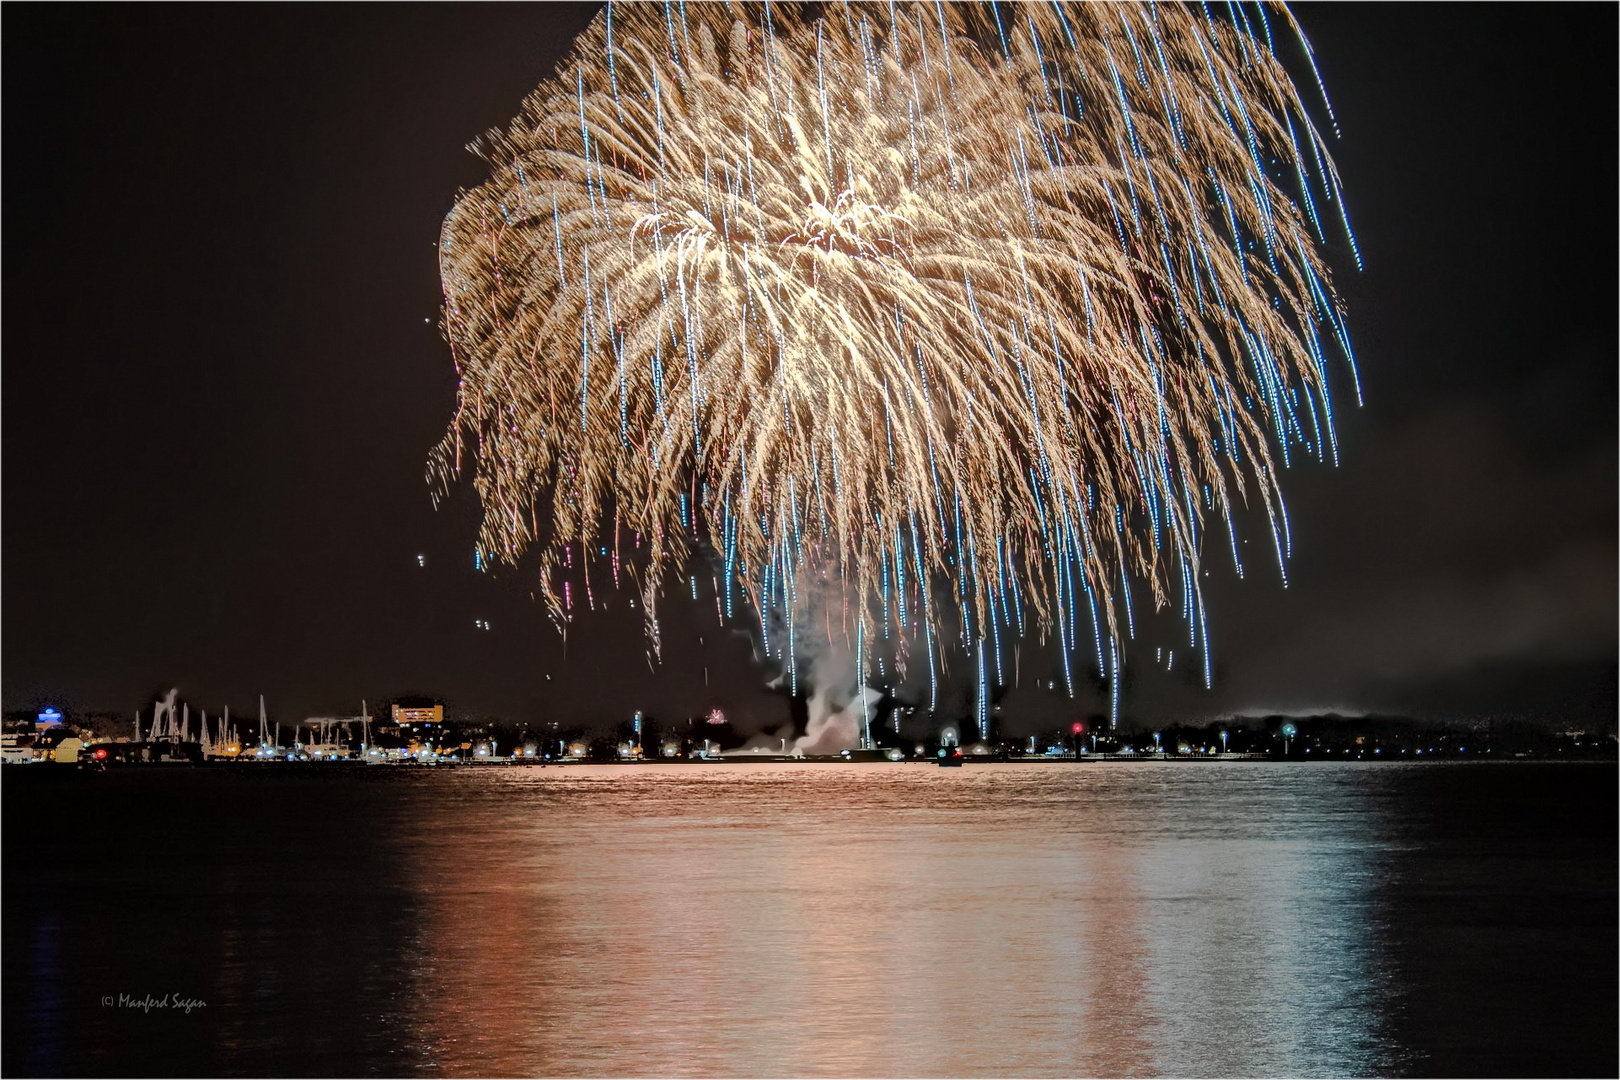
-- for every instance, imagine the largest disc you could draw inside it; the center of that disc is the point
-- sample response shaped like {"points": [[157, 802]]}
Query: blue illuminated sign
{"points": [[49, 716]]}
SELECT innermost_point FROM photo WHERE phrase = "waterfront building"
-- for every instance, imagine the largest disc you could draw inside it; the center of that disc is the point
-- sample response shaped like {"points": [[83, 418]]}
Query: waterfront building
{"points": [[16, 749], [432, 714], [60, 745]]}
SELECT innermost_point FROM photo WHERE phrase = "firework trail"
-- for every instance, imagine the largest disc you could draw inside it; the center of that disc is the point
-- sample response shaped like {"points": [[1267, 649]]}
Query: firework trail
{"points": [[976, 318]]}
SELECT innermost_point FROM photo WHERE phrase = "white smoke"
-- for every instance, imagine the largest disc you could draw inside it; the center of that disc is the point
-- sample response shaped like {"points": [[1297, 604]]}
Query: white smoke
{"points": [[839, 709], [778, 742], [839, 706]]}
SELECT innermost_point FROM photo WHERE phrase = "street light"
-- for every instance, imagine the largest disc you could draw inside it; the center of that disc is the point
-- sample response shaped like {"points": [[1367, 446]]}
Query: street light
{"points": [[1288, 733], [1223, 742], [1156, 748]]}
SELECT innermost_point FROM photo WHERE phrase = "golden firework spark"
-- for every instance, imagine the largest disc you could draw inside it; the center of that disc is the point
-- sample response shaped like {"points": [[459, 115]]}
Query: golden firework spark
{"points": [[999, 304]]}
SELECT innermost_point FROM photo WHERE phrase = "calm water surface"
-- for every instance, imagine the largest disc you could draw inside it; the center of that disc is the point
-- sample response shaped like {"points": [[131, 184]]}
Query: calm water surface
{"points": [[1032, 920]]}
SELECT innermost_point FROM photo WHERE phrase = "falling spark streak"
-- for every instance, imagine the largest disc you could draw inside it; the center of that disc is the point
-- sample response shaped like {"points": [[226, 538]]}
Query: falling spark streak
{"points": [[911, 208]]}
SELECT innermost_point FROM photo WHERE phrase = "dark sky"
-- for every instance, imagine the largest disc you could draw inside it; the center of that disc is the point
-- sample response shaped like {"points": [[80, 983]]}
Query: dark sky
{"points": [[223, 374]]}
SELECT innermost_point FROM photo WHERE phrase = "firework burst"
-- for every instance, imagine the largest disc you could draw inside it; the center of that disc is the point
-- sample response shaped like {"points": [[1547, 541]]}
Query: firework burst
{"points": [[976, 317]]}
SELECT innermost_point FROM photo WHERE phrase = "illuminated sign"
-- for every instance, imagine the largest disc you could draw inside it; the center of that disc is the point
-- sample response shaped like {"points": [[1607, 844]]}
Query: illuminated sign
{"points": [[48, 717]]}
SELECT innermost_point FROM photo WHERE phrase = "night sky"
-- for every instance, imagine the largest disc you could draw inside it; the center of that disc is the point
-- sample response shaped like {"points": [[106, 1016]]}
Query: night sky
{"points": [[223, 373]]}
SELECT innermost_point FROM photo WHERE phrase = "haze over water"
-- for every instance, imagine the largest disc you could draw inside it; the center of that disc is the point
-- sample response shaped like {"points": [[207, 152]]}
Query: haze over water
{"points": [[823, 920]]}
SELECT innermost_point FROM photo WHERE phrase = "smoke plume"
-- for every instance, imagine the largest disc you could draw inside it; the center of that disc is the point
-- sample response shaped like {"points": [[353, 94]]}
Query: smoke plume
{"points": [[838, 706]]}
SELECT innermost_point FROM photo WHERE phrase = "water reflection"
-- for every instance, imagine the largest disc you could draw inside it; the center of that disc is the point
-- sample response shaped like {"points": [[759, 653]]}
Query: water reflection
{"points": [[1243, 919], [767, 920], [1263, 950], [1121, 1020]]}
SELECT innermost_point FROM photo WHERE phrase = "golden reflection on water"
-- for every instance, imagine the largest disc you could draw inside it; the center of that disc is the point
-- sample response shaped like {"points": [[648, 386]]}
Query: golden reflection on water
{"points": [[823, 920], [1119, 1013]]}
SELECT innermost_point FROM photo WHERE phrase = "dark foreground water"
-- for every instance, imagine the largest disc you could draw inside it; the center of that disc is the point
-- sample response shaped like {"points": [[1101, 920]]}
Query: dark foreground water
{"points": [[1027, 920]]}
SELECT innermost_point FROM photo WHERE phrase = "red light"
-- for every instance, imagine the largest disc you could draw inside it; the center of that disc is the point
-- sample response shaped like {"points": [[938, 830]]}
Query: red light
{"points": [[100, 755], [1078, 729]]}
